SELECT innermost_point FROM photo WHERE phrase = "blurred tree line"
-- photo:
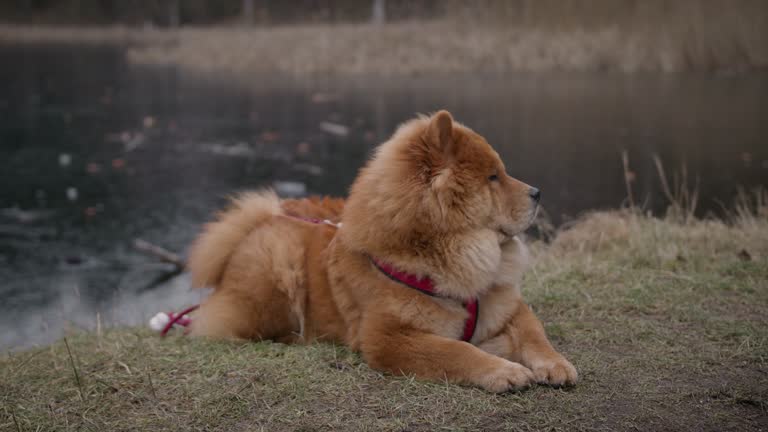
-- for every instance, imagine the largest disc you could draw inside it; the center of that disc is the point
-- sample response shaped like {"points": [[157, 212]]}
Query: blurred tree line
{"points": [[171, 13]]}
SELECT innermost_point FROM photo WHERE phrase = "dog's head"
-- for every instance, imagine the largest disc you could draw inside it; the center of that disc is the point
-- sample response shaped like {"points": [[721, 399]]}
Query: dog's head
{"points": [[437, 177], [468, 180]]}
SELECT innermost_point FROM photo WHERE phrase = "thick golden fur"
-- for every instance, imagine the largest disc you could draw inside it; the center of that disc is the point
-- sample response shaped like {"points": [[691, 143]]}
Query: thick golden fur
{"points": [[435, 201]]}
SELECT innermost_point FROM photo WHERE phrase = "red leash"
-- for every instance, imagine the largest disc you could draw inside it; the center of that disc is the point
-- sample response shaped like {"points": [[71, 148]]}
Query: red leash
{"points": [[425, 285], [178, 319], [159, 323]]}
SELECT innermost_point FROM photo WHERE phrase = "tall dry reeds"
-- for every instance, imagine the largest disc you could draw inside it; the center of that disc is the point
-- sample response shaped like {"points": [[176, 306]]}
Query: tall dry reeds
{"points": [[630, 35], [750, 207], [463, 36], [683, 197]]}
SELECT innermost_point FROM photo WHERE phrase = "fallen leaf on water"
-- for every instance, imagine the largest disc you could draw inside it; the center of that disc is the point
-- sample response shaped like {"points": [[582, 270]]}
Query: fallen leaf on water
{"points": [[334, 129], [302, 148], [270, 136], [93, 168]]}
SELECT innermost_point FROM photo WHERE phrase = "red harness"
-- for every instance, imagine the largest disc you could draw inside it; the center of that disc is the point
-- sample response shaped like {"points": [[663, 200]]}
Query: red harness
{"points": [[427, 286]]}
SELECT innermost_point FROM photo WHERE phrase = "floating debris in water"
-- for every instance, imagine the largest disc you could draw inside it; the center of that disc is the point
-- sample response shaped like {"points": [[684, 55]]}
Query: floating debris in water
{"points": [[25, 216], [118, 163], [130, 140], [65, 159], [93, 168], [303, 148], [270, 136], [72, 194], [148, 122], [92, 211], [134, 141], [290, 188], [159, 252], [309, 168], [241, 149], [334, 129]]}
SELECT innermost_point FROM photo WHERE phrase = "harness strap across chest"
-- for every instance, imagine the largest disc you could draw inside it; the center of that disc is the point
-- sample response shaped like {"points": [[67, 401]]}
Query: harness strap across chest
{"points": [[427, 286]]}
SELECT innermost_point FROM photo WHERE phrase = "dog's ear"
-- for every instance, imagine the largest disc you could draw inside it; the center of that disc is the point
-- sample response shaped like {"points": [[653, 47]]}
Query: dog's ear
{"points": [[440, 133], [441, 146]]}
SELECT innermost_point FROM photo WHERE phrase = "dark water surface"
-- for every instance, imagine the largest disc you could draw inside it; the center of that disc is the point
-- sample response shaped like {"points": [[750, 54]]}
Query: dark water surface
{"points": [[95, 152]]}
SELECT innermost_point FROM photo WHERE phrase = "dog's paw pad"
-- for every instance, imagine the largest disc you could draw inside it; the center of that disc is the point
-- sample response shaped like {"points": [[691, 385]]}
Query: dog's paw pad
{"points": [[511, 376], [557, 372]]}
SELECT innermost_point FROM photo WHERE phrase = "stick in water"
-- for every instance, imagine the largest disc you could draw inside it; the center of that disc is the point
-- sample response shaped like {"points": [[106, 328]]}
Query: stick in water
{"points": [[159, 252]]}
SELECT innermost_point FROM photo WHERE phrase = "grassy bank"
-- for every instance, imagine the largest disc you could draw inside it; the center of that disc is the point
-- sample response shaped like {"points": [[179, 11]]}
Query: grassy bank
{"points": [[667, 323], [490, 36]]}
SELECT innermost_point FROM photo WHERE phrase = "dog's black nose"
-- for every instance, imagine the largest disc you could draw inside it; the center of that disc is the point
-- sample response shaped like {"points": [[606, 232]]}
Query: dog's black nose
{"points": [[535, 194]]}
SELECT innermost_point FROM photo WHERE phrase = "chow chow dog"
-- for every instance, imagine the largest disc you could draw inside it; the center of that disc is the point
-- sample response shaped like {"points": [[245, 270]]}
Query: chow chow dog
{"points": [[419, 269]]}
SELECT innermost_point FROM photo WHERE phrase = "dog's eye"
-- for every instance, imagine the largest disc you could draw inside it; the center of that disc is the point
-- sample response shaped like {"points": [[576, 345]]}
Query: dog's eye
{"points": [[493, 177]]}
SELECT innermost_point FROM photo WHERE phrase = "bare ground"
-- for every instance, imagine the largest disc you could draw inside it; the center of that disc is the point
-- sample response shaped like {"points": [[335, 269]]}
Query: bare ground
{"points": [[666, 322]]}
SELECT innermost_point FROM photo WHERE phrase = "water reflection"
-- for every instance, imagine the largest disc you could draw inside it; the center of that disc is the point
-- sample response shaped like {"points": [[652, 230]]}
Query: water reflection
{"points": [[96, 152]]}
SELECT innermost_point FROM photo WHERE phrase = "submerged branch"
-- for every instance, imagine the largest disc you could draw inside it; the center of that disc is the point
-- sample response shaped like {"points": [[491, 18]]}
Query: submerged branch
{"points": [[163, 254]]}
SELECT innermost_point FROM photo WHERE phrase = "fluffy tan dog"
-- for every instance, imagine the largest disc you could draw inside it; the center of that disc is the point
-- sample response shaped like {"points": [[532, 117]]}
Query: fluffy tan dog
{"points": [[422, 277]]}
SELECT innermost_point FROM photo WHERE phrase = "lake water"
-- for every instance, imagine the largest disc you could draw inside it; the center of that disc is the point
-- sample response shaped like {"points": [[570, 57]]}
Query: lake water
{"points": [[96, 152]]}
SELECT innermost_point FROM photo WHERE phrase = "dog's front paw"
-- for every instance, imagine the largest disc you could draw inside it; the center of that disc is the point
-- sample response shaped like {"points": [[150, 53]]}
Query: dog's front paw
{"points": [[510, 376], [555, 371]]}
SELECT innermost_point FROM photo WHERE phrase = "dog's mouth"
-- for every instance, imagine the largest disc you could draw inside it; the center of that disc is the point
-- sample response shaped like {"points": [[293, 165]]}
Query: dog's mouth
{"points": [[509, 231], [534, 213]]}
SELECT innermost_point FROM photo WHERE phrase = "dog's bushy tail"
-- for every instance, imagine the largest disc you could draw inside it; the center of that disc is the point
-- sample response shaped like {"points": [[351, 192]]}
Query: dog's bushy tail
{"points": [[211, 251]]}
